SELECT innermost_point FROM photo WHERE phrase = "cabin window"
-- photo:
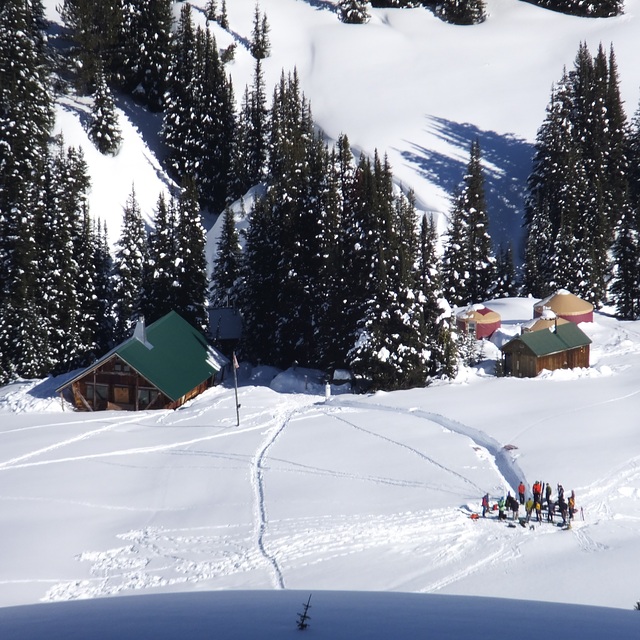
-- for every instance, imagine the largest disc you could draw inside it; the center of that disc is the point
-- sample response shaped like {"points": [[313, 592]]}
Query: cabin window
{"points": [[97, 391], [121, 366], [146, 397], [471, 328]]}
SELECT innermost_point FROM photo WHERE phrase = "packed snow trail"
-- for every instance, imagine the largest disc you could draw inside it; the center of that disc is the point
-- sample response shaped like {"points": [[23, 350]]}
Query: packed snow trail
{"points": [[412, 449], [506, 466]]}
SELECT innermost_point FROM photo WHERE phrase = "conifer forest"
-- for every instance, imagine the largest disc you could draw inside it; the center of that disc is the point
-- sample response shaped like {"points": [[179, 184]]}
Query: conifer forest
{"points": [[336, 267]]}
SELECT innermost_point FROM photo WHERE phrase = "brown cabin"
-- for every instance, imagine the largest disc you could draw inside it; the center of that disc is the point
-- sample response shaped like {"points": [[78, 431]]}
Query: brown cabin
{"points": [[564, 346], [159, 367]]}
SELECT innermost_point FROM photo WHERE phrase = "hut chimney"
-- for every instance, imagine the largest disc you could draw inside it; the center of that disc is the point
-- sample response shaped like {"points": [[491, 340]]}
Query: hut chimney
{"points": [[140, 333]]}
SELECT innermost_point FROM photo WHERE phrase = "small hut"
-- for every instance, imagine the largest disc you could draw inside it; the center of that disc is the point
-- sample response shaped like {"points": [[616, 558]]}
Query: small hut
{"points": [[565, 305], [564, 346], [159, 367], [478, 320]]}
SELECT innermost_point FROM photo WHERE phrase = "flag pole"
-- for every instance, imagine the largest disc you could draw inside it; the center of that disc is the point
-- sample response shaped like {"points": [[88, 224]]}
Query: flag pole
{"points": [[235, 367]]}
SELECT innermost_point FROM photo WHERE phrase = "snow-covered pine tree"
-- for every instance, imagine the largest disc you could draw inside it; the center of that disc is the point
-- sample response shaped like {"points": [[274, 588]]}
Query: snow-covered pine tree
{"points": [[259, 280], [462, 12], [353, 11], [506, 283], [26, 118], [468, 261], [144, 50], [102, 265], [389, 343], [199, 122], [180, 122], [193, 281], [128, 270], [161, 279], [260, 46], [104, 129], [60, 236], [251, 147], [226, 266], [214, 109], [625, 287], [95, 28], [440, 340], [223, 19], [211, 9]]}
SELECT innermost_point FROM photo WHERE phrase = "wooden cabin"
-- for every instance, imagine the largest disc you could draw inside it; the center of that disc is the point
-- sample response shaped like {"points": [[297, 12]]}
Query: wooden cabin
{"points": [[564, 346], [159, 367]]}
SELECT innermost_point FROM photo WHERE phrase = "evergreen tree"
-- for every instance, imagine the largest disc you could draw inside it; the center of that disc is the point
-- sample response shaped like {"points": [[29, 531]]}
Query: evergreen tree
{"points": [[462, 12], [226, 268], [211, 9], [223, 20], [192, 275], [625, 287], [60, 235], [353, 11], [468, 262], [101, 306], [95, 29], [128, 270], [161, 275], [260, 44], [249, 162], [104, 130], [144, 50], [506, 285], [199, 123], [26, 118]]}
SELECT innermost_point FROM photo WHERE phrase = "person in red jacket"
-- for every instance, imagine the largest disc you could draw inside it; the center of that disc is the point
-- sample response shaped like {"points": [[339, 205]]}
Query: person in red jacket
{"points": [[521, 490]]}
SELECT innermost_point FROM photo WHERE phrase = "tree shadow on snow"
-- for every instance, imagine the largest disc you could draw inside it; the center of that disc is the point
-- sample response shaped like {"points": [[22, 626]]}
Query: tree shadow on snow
{"points": [[506, 163]]}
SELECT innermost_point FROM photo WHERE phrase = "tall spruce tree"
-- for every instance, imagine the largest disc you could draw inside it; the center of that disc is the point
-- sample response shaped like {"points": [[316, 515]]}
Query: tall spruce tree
{"points": [[128, 270], [104, 129], [625, 287], [193, 282], [94, 28], [144, 50], [260, 45], [161, 274], [226, 267], [468, 262], [26, 117]]}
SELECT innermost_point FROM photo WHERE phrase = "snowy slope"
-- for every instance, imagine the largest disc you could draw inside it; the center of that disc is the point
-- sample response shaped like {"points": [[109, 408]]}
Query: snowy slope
{"points": [[406, 84], [349, 493]]}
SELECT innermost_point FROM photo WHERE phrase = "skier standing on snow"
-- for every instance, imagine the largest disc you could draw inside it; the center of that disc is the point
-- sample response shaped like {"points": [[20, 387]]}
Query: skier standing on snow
{"points": [[572, 504], [521, 490], [485, 504], [501, 513], [548, 492], [529, 508]]}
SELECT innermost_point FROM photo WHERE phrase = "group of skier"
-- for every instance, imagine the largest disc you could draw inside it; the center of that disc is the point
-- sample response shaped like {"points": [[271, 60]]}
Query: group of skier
{"points": [[541, 496]]}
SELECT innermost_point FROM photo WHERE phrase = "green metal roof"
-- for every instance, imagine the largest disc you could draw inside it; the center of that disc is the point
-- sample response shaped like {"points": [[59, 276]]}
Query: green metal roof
{"points": [[553, 340], [171, 354]]}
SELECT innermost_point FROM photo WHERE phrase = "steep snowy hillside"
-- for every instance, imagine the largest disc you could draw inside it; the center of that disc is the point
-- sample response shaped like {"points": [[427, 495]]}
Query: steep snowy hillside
{"points": [[406, 84]]}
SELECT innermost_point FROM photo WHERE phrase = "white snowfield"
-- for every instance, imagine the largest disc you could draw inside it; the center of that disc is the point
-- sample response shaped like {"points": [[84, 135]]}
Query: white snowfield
{"points": [[353, 493]]}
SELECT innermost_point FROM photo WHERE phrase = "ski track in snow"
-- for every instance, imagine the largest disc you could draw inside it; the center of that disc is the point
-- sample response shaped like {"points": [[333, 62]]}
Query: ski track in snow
{"points": [[507, 467], [411, 449]]}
